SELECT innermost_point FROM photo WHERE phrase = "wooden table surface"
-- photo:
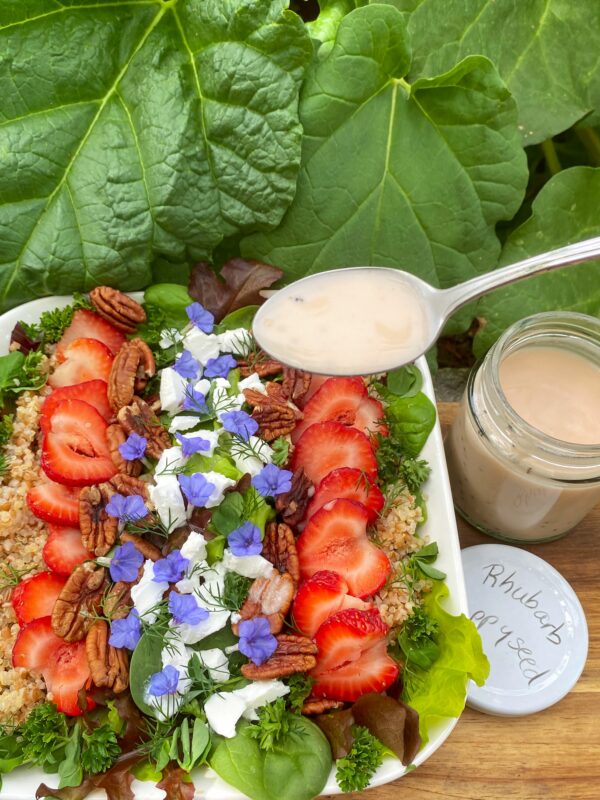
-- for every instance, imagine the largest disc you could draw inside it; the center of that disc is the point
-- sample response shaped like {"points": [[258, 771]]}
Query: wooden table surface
{"points": [[552, 755]]}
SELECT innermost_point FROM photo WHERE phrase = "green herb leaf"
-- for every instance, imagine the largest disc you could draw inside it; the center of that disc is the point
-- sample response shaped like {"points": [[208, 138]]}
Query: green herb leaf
{"points": [[423, 560], [100, 749], [235, 591], [355, 770], [52, 324], [444, 154], [417, 639], [70, 769], [300, 685], [45, 735], [275, 722], [241, 318], [414, 473], [406, 381], [19, 373], [171, 300], [203, 151], [281, 450]]}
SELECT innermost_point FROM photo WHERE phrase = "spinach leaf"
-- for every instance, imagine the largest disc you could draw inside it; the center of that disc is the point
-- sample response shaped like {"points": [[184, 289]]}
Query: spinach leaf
{"points": [[12, 753], [444, 154], [296, 769], [145, 661], [242, 318], [566, 210], [147, 144], [70, 770], [172, 300], [19, 373], [405, 381], [411, 420], [229, 515]]}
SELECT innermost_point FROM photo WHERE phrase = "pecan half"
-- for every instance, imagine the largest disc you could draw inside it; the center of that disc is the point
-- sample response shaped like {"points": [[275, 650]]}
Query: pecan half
{"points": [[275, 415], [147, 549], [117, 602], [279, 547], [132, 367], [260, 363], [109, 666], [98, 529], [292, 505], [120, 310], [315, 705], [295, 384], [268, 597], [115, 436], [129, 485], [138, 417], [79, 600], [293, 654]]}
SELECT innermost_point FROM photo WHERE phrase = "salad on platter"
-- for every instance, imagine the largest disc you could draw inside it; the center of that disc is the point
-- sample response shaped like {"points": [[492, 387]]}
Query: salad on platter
{"points": [[212, 561]]}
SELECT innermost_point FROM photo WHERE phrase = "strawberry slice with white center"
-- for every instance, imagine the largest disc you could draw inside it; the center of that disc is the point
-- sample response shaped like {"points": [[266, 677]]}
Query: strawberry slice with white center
{"points": [[92, 392], [331, 445], [348, 484], [54, 502], [89, 325], [318, 598], [336, 539], [74, 450], [372, 671], [34, 597], [343, 400], [64, 550], [82, 360], [63, 665]]}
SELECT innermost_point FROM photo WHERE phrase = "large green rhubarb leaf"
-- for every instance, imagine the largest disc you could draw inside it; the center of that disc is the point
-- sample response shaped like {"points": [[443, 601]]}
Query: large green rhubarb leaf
{"points": [[545, 50], [410, 176], [565, 211], [140, 128]]}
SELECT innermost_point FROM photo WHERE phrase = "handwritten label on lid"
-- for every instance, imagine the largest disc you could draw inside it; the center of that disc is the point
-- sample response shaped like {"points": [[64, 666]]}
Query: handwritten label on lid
{"points": [[532, 627]]}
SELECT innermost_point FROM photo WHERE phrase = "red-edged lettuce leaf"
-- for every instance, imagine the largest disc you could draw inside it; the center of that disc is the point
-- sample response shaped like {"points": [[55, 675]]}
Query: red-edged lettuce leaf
{"points": [[239, 284], [441, 690], [116, 782], [176, 783]]}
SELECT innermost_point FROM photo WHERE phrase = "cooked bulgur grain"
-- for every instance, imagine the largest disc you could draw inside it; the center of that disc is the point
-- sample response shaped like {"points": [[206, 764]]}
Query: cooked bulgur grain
{"points": [[22, 538]]}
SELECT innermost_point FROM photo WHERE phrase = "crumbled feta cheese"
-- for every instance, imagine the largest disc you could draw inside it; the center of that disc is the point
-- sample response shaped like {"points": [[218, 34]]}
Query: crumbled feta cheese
{"points": [[172, 390], [249, 566], [251, 456], [169, 337], [220, 482], [201, 345], [194, 549], [168, 501], [212, 437], [259, 693], [176, 653], [238, 342], [191, 634], [166, 706], [202, 386], [216, 662], [147, 593], [223, 711], [253, 381], [170, 461], [183, 422]]}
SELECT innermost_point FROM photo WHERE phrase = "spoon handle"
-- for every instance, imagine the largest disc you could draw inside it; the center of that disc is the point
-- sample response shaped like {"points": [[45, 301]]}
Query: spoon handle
{"points": [[457, 296]]}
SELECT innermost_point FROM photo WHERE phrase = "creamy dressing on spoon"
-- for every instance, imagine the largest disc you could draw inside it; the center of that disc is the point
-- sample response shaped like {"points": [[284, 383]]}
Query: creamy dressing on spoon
{"points": [[353, 322]]}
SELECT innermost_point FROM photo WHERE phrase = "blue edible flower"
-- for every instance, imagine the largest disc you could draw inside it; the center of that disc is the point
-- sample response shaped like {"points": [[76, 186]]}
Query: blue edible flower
{"points": [[133, 447], [164, 682], [126, 632], [171, 568], [240, 423], [200, 317], [256, 640], [126, 562], [192, 444], [196, 488], [219, 367], [272, 480], [245, 540], [186, 365], [127, 509], [194, 401], [185, 609]]}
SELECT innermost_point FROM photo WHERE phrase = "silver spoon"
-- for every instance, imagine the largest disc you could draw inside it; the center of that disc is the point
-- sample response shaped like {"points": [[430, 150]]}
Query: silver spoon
{"points": [[431, 306]]}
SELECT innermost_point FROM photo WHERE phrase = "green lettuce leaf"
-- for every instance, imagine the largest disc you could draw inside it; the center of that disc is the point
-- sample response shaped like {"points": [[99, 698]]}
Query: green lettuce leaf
{"points": [[565, 211], [441, 690], [140, 129], [393, 173]]}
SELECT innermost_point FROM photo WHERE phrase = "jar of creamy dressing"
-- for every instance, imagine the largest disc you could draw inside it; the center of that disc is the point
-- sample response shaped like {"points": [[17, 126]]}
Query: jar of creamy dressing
{"points": [[524, 451]]}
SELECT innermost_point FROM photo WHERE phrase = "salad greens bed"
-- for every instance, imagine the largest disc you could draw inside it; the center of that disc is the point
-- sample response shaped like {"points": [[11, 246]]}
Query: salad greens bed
{"points": [[404, 133], [279, 753]]}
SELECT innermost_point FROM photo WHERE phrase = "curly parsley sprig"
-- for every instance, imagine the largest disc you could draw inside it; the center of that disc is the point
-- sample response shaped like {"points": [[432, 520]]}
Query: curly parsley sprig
{"points": [[355, 770]]}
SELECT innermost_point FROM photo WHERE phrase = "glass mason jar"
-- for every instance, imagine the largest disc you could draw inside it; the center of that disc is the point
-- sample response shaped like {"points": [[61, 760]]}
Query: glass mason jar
{"points": [[508, 478]]}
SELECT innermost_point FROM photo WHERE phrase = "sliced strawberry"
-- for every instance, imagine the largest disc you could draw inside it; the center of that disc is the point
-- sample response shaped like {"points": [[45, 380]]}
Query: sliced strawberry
{"points": [[89, 325], [92, 392], [82, 360], [64, 550], [35, 596], [54, 503], [331, 445], [373, 671], [349, 484], [336, 539], [64, 665], [318, 598], [75, 450], [343, 400], [316, 381], [345, 636]]}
